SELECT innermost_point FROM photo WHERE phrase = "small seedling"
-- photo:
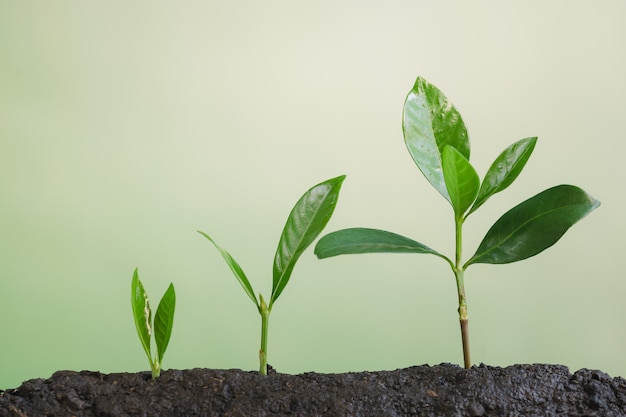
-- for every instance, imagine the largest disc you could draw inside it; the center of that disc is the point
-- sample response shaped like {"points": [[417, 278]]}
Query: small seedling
{"points": [[163, 321], [437, 139], [306, 221]]}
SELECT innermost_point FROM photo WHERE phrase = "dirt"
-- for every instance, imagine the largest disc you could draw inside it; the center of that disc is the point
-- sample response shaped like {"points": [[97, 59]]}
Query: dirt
{"points": [[442, 390]]}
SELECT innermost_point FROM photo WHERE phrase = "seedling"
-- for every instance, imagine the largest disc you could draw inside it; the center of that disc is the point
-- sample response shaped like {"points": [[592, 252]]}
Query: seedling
{"points": [[163, 321], [306, 221], [437, 139]]}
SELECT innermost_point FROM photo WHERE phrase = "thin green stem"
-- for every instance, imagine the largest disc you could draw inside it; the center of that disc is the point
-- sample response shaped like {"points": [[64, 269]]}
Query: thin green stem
{"points": [[459, 241], [265, 317], [460, 286]]}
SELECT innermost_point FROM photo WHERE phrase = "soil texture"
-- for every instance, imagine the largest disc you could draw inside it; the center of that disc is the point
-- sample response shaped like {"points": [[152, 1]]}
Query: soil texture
{"points": [[442, 390]]}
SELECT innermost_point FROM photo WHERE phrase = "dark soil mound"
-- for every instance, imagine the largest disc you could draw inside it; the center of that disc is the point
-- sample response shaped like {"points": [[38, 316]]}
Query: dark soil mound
{"points": [[444, 390]]}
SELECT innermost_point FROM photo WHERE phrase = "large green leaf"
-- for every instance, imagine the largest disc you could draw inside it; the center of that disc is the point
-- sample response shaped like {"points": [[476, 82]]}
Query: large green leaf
{"points": [[430, 122], [237, 270], [364, 240], [505, 169], [461, 179], [164, 321], [534, 225], [305, 222], [141, 313]]}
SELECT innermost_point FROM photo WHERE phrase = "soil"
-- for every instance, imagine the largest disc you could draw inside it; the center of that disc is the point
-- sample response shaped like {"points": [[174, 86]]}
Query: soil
{"points": [[442, 390]]}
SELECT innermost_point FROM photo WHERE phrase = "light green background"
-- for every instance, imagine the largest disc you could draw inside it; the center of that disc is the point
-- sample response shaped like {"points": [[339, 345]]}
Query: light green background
{"points": [[125, 126]]}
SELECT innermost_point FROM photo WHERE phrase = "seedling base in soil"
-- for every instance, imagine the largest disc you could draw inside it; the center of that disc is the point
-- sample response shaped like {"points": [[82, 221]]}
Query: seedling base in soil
{"points": [[442, 390]]}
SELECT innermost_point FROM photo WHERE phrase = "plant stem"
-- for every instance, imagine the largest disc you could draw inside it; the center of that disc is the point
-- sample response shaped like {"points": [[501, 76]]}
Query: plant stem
{"points": [[265, 317], [460, 287], [465, 340], [156, 369]]}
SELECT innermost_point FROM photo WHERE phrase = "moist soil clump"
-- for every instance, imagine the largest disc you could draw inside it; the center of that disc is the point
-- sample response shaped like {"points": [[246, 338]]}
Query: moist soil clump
{"points": [[442, 390]]}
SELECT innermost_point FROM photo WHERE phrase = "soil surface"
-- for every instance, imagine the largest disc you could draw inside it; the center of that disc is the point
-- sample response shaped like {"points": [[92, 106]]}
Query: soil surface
{"points": [[442, 390]]}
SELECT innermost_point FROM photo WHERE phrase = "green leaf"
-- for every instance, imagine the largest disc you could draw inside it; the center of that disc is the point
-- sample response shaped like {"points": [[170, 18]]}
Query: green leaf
{"points": [[363, 240], [430, 122], [505, 169], [237, 271], [141, 313], [461, 180], [534, 225], [164, 321], [305, 222]]}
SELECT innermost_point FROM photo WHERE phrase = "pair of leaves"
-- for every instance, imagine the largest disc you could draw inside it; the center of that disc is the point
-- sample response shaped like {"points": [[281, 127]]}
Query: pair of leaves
{"points": [[437, 140], [462, 181], [306, 221], [163, 320], [522, 232]]}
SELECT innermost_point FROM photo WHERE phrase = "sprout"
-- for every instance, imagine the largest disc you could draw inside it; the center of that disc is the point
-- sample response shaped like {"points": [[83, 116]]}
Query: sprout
{"points": [[163, 321], [306, 221]]}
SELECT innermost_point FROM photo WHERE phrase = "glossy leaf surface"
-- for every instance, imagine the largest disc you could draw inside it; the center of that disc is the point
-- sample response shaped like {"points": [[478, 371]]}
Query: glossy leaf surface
{"points": [[164, 321], [141, 313], [236, 269], [534, 225], [363, 240], [305, 222], [430, 122], [505, 169], [461, 179]]}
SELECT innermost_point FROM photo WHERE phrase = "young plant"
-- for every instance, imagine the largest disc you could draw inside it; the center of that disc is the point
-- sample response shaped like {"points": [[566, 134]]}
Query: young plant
{"points": [[437, 139], [163, 321], [306, 221]]}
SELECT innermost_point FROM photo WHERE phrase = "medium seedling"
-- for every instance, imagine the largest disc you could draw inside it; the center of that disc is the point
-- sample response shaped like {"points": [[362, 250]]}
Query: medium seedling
{"points": [[437, 139], [163, 321], [306, 221]]}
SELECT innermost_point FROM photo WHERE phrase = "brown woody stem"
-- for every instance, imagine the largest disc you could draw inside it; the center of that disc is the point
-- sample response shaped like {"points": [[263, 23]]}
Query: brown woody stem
{"points": [[466, 346]]}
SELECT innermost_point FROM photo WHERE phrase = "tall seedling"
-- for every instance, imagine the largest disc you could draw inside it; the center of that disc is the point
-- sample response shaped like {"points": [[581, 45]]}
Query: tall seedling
{"points": [[306, 221], [437, 139]]}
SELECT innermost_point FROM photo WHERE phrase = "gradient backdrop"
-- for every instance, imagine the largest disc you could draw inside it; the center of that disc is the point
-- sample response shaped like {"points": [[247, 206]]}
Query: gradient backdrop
{"points": [[127, 126]]}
